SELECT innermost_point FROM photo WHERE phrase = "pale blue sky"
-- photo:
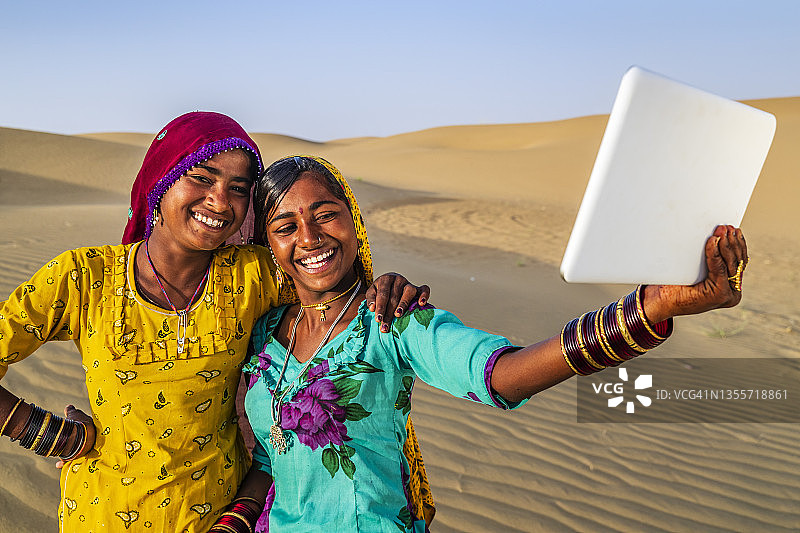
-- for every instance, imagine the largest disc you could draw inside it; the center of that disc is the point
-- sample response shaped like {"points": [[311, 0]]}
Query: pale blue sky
{"points": [[327, 70]]}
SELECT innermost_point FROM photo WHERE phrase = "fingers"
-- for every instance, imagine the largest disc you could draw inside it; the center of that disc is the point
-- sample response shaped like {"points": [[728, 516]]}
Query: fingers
{"points": [[726, 261], [728, 248], [742, 245], [392, 295], [424, 294], [717, 267], [370, 297], [388, 292], [73, 413], [378, 296], [409, 296], [402, 293]]}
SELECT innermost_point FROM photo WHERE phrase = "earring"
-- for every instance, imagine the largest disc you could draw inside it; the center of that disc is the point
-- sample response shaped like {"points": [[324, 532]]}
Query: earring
{"points": [[278, 270], [241, 235], [155, 217]]}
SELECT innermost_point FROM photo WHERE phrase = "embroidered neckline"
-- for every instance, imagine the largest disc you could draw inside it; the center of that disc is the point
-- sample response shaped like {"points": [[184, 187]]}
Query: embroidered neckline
{"points": [[130, 284]]}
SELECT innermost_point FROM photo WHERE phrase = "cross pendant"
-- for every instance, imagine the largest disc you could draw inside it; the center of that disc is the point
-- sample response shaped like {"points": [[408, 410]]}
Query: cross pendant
{"points": [[322, 308]]}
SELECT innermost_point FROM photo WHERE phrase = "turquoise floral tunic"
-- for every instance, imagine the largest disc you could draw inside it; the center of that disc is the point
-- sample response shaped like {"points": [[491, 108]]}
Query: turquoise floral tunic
{"points": [[345, 415]]}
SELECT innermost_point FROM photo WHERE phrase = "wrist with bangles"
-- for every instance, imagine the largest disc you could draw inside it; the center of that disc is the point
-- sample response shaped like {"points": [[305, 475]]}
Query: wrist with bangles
{"points": [[611, 335], [48, 434], [241, 516]]}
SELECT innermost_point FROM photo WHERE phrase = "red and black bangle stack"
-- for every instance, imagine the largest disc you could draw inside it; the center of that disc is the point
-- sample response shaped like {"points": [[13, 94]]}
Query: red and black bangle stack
{"points": [[569, 347], [637, 328], [662, 330], [47, 434], [593, 343], [49, 437], [63, 437], [240, 518], [600, 332], [615, 337], [32, 427], [611, 335], [80, 440]]}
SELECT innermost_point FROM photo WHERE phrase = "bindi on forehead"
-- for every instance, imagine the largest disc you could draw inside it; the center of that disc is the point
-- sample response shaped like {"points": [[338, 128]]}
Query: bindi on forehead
{"points": [[301, 210]]}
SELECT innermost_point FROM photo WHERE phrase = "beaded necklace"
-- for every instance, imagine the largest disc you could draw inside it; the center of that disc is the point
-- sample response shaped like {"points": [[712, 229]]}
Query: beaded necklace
{"points": [[182, 322]]}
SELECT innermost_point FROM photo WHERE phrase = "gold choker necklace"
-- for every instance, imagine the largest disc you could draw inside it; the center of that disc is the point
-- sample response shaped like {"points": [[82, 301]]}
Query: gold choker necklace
{"points": [[323, 306]]}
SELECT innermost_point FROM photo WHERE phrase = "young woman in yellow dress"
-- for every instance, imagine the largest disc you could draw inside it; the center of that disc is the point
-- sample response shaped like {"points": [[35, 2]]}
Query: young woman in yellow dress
{"points": [[162, 323]]}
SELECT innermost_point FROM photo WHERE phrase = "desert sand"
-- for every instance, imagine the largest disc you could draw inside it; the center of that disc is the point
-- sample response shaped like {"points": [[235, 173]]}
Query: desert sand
{"points": [[482, 214]]}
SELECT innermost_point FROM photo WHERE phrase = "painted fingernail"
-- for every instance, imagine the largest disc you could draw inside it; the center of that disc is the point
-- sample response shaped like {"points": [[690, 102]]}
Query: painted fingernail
{"points": [[399, 311], [385, 328], [423, 301], [379, 318]]}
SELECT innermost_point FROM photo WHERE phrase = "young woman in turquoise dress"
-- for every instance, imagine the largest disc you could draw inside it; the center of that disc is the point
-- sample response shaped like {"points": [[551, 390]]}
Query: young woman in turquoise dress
{"points": [[329, 396]]}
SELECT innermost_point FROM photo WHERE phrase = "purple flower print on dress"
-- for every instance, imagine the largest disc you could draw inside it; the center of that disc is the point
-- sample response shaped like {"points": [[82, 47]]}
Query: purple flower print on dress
{"points": [[315, 417], [262, 526], [264, 361], [406, 516], [317, 371], [472, 396]]}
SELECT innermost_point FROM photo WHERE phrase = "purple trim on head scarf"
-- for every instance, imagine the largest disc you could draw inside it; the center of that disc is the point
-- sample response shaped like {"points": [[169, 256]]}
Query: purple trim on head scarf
{"points": [[204, 153]]}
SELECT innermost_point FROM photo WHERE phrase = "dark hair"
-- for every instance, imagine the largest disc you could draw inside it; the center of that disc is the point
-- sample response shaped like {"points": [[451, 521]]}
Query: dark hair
{"points": [[254, 165], [275, 182]]}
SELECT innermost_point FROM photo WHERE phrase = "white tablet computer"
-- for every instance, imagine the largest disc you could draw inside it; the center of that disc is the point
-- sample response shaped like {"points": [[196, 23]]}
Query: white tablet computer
{"points": [[674, 162]]}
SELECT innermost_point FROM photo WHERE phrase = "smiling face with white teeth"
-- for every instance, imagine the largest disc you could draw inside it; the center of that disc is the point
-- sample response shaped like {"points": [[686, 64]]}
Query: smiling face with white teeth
{"points": [[312, 235], [207, 205]]}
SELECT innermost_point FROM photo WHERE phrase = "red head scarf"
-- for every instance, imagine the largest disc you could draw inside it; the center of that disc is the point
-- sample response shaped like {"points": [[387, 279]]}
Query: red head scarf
{"points": [[182, 144]]}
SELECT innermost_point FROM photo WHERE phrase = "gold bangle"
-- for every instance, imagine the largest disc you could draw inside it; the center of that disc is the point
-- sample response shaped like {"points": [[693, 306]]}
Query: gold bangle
{"points": [[10, 416], [55, 440], [640, 311], [582, 346], [600, 331], [248, 498], [624, 329], [240, 517], [223, 527], [42, 430], [564, 353]]}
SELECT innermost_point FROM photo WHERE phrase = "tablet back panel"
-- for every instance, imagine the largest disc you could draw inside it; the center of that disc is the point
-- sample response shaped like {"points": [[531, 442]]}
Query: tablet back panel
{"points": [[674, 162]]}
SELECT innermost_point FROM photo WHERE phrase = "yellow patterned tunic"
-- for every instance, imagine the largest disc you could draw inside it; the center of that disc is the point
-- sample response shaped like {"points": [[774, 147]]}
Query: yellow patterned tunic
{"points": [[169, 455]]}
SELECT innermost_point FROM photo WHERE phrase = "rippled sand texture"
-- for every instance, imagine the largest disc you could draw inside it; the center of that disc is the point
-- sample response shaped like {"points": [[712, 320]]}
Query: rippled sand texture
{"points": [[482, 214]]}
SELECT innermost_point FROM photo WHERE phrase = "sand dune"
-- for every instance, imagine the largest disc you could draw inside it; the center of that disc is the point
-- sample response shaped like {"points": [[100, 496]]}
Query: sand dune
{"points": [[89, 162], [482, 214]]}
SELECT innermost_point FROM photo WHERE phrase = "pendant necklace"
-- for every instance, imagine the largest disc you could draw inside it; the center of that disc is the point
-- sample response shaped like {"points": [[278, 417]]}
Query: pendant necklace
{"points": [[323, 306], [182, 322], [276, 437]]}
